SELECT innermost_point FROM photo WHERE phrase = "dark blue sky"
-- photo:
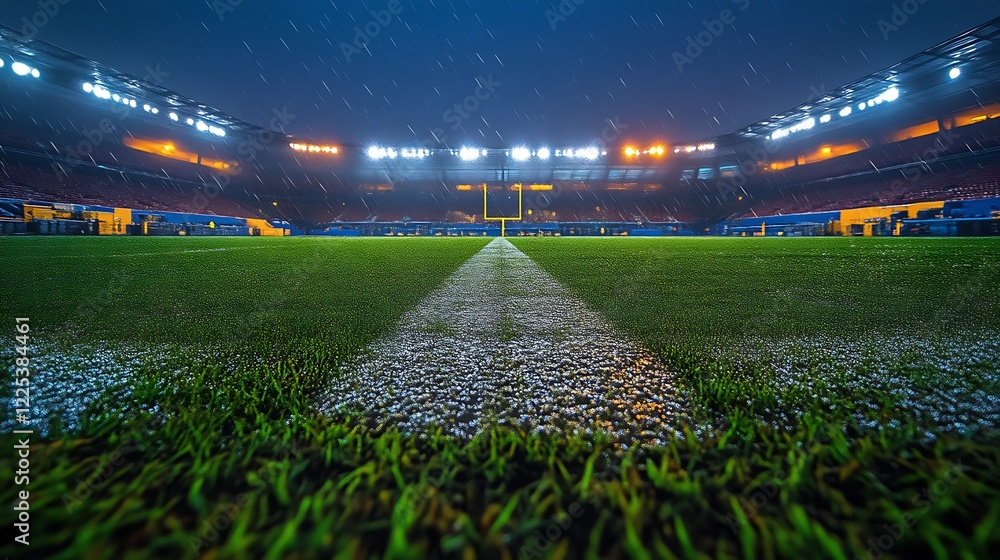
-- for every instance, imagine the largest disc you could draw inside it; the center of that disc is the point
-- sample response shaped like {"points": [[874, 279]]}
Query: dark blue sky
{"points": [[607, 60]]}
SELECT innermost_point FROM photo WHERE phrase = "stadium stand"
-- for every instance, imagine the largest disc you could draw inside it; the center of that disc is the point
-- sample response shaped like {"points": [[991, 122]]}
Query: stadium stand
{"points": [[918, 184], [26, 180]]}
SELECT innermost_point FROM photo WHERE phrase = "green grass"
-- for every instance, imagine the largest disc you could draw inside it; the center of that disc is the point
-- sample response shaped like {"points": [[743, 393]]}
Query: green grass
{"points": [[227, 436], [848, 317], [252, 291], [719, 287]]}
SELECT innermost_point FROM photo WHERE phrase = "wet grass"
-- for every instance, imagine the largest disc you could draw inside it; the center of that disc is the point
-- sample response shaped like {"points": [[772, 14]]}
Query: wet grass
{"points": [[221, 454], [441, 328], [508, 329], [850, 320], [865, 337]]}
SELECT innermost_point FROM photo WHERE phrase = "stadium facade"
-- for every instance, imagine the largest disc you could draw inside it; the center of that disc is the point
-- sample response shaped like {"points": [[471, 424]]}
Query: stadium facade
{"points": [[910, 150]]}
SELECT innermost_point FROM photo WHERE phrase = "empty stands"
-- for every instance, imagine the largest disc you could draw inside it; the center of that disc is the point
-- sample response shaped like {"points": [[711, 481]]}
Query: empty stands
{"points": [[25, 179]]}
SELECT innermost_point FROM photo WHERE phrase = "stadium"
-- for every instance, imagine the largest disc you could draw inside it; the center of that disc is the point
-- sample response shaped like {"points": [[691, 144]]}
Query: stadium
{"points": [[231, 340], [909, 150]]}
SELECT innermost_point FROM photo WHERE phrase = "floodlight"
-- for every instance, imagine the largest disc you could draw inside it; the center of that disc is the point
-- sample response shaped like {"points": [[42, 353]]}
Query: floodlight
{"points": [[20, 68]]}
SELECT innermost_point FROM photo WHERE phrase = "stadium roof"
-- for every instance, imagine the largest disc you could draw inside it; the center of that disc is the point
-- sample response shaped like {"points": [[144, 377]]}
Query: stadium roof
{"points": [[975, 53], [66, 66]]}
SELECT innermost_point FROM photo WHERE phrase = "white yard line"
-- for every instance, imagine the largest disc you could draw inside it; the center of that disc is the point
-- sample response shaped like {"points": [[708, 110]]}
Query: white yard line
{"points": [[156, 253], [502, 341]]}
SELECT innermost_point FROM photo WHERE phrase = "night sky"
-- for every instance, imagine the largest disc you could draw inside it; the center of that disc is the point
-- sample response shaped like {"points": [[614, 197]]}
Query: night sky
{"points": [[608, 59]]}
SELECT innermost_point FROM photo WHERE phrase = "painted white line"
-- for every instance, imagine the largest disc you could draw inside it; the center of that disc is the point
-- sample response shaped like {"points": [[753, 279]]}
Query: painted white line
{"points": [[153, 253], [503, 342]]}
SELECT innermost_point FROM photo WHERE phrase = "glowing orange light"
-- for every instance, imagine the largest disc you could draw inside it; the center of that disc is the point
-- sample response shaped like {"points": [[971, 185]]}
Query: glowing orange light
{"points": [[169, 149], [630, 151], [313, 148]]}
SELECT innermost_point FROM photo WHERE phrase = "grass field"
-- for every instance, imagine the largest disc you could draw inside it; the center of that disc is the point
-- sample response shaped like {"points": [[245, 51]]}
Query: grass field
{"points": [[857, 324], [845, 400]]}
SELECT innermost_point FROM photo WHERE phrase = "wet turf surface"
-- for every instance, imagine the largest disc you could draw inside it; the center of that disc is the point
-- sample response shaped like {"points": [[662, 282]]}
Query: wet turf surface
{"points": [[503, 343], [837, 387]]}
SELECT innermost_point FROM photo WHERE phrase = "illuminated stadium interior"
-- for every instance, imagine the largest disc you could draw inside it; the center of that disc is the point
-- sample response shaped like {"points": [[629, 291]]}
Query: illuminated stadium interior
{"points": [[625, 308], [871, 132]]}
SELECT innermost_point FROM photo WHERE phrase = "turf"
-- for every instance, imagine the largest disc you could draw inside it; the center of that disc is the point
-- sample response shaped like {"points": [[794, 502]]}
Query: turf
{"points": [[218, 453], [662, 288], [739, 316], [236, 290]]}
